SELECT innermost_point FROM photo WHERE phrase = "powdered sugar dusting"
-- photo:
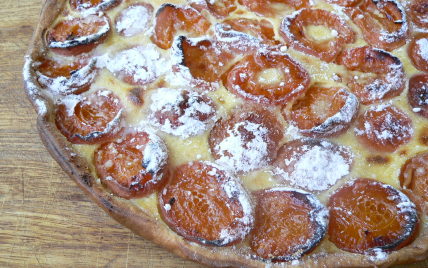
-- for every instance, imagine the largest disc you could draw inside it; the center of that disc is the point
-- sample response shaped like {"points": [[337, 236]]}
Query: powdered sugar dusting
{"points": [[171, 101], [239, 156], [142, 63], [423, 48], [134, 20], [317, 167]]}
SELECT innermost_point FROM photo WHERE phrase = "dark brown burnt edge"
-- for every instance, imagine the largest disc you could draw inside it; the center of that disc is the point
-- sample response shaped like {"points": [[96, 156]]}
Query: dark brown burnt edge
{"points": [[154, 230]]}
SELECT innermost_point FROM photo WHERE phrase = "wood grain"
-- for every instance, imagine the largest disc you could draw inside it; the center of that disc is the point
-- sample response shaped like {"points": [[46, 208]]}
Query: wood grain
{"points": [[46, 220]]}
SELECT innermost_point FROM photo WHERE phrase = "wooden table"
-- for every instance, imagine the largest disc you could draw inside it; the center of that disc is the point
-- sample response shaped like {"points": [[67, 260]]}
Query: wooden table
{"points": [[46, 220]]}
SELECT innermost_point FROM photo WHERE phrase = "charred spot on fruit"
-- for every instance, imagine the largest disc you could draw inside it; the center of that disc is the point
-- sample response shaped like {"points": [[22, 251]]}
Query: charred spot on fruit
{"points": [[162, 8], [378, 160], [172, 201]]}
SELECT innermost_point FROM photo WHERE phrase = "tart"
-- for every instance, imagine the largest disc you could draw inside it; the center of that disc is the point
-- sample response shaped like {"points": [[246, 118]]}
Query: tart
{"points": [[243, 133]]}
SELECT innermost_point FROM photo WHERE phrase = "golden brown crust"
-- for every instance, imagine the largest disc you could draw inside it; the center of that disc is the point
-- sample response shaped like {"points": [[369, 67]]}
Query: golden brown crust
{"points": [[144, 224]]}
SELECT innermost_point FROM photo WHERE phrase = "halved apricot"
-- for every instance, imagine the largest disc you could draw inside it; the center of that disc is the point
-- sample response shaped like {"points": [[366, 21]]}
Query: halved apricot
{"points": [[181, 112], [219, 8], [383, 128], [383, 23], [271, 8], [313, 165], [82, 5], [65, 78], [205, 204], [325, 112], [78, 35], [262, 30], [374, 74], [138, 66], [267, 77], [294, 31], [418, 51], [368, 215], [204, 59], [418, 12], [418, 94], [288, 224], [133, 166], [134, 19], [246, 140], [414, 175], [91, 119], [171, 18]]}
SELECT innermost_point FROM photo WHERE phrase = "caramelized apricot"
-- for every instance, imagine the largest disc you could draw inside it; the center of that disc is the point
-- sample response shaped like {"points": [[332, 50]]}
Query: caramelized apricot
{"points": [[138, 66], [134, 19], [418, 12], [414, 175], [78, 35], [247, 140], [133, 166], [374, 74], [67, 77], [418, 94], [325, 112], [92, 119], [262, 30], [383, 23], [205, 204], [219, 8], [418, 51], [313, 165], [180, 112], [294, 31], [271, 8], [170, 19], [204, 59], [383, 128], [288, 224], [268, 77], [367, 215], [82, 5]]}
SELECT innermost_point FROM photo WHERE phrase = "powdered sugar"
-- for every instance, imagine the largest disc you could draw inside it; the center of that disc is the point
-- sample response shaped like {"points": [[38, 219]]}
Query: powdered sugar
{"points": [[315, 167], [141, 64], [239, 156], [189, 107], [423, 48], [134, 20]]}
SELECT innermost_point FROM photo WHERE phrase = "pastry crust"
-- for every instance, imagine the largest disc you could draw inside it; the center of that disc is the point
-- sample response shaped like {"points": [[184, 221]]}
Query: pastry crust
{"points": [[154, 229]]}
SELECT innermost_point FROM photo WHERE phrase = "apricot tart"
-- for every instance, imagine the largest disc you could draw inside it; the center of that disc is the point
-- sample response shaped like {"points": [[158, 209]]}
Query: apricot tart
{"points": [[244, 133]]}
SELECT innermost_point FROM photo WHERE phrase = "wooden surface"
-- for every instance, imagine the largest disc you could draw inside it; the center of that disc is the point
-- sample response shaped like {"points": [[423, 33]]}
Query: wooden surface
{"points": [[46, 220]]}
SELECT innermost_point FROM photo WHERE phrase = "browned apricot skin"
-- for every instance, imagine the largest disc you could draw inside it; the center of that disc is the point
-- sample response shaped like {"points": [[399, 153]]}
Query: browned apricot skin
{"points": [[311, 111], [87, 122], [198, 207], [414, 175], [293, 32], [243, 75], [377, 17], [282, 222], [418, 12], [170, 19], [413, 50], [365, 215], [66, 30], [370, 60], [265, 9], [127, 176]]}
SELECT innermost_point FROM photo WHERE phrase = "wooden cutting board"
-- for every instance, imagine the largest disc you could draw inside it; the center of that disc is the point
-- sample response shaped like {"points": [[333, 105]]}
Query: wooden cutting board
{"points": [[45, 219]]}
